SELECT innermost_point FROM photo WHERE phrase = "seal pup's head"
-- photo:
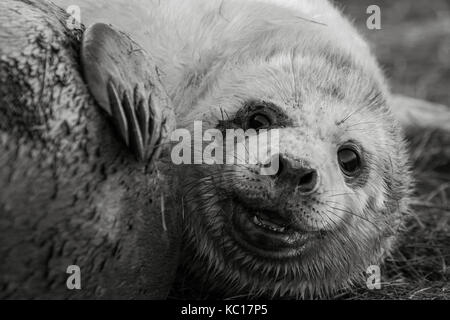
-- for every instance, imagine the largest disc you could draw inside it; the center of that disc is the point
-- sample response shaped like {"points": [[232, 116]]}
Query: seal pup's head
{"points": [[334, 206]]}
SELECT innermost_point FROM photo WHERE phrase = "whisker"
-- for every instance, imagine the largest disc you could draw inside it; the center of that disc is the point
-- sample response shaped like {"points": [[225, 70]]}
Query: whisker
{"points": [[356, 215]]}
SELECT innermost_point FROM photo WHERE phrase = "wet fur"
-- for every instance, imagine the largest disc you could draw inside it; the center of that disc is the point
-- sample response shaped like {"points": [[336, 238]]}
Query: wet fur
{"points": [[70, 191]]}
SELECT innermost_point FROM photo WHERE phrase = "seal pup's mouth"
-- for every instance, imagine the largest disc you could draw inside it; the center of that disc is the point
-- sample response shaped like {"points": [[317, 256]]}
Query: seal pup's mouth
{"points": [[269, 222], [267, 232]]}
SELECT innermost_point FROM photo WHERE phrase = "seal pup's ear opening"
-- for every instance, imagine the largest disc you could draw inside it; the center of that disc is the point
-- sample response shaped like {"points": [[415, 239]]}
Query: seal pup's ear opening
{"points": [[126, 83]]}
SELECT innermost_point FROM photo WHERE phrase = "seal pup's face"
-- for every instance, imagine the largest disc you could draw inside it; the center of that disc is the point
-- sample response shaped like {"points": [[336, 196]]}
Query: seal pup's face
{"points": [[333, 207]]}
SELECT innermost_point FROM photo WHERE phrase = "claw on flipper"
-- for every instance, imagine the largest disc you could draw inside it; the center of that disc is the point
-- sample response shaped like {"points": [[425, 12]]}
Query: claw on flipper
{"points": [[117, 111], [128, 87]]}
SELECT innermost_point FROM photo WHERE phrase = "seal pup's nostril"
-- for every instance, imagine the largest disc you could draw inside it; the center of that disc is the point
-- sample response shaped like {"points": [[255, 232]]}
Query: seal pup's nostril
{"points": [[299, 173], [308, 181]]}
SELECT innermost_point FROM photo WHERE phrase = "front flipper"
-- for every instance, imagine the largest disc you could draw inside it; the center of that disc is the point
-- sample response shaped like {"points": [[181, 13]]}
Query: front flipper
{"points": [[415, 114], [125, 82]]}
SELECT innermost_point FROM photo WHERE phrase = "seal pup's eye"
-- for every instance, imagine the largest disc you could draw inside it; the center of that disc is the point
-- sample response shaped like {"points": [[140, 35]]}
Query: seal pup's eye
{"points": [[258, 121], [349, 160]]}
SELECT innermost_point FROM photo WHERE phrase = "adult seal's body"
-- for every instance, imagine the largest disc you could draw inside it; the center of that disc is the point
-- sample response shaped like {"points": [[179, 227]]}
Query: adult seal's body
{"points": [[71, 193]]}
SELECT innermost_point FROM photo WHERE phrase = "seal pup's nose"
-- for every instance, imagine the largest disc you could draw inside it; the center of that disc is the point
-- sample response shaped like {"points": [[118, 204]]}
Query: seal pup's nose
{"points": [[299, 172]]}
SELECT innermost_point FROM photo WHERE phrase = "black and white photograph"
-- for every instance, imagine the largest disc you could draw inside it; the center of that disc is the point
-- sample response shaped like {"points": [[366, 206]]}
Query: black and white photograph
{"points": [[225, 150]]}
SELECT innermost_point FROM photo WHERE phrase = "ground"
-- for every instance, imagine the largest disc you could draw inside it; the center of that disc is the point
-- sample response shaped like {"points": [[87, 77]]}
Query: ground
{"points": [[413, 48]]}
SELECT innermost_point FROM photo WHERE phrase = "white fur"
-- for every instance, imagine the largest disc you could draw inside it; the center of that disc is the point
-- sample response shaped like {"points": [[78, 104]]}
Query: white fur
{"points": [[185, 35]]}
